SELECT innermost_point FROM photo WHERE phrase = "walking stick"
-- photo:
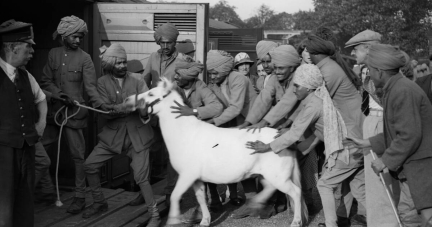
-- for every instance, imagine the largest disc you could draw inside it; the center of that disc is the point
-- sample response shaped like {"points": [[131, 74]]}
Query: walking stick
{"points": [[388, 193]]}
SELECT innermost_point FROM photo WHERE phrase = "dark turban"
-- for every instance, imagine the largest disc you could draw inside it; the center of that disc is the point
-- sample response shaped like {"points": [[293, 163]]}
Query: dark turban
{"points": [[167, 31], [187, 67], [385, 57], [317, 45], [71, 25], [264, 47], [220, 61]]}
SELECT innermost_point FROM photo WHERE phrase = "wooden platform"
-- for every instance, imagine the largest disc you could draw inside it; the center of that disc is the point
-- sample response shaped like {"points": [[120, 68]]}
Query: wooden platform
{"points": [[119, 212]]}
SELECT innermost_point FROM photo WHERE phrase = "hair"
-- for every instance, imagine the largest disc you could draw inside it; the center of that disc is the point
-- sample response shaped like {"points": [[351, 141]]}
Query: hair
{"points": [[6, 47], [301, 46], [108, 63]]}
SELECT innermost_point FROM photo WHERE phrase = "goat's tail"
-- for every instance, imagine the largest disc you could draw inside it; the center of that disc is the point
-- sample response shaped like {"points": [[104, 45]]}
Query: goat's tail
{"points": [[297, 181]]}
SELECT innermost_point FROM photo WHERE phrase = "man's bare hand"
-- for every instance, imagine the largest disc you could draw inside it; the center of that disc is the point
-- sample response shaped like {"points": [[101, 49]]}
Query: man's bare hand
{"points": [[258, 126], [281, 132], [182, 110], [258, 146], [351, 142]]}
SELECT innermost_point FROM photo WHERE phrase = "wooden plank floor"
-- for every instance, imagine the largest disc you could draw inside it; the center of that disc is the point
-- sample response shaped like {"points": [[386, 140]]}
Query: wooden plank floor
{"points": [[119, 212]]}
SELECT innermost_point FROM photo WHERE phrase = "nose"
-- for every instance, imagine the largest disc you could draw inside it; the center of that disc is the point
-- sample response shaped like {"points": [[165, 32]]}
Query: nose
{"points": [[353, 52]]}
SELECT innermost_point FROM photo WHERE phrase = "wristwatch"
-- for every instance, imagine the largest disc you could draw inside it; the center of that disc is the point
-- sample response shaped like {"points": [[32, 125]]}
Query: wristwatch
{"points": [[195, 110]]}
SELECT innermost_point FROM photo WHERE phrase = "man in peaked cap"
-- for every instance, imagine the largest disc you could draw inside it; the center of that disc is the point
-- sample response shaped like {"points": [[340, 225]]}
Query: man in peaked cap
{"points": [[21, 99], [378, 207], [68, 72]]}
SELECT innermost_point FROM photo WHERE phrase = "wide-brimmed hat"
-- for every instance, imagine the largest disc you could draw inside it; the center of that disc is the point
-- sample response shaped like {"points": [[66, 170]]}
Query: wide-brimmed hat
{"points": [[241, 58]]}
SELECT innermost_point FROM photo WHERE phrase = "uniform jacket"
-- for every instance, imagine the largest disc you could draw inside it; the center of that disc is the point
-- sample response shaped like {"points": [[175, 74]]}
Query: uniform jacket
{"points": [[202, 99], [407, 124], [425, 84], [270, 95], [157, 68], [114, 132], [241, 96], [70, 72]]}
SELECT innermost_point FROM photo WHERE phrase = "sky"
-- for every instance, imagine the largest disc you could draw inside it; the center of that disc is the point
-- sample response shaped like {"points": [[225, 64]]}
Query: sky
{"points": [[248, 8]]}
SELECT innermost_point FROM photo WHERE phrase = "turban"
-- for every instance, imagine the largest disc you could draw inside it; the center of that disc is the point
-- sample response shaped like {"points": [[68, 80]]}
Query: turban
{"points": [[385, 57], [285, 55], [187, 67], [220, 61], [264, 47], [115, 50], [71, 25], [317, 45], [167, 31], [309, 76]]}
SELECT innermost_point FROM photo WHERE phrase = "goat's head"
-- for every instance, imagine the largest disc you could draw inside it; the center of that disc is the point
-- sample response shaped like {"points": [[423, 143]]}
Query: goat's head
{"points": [[151, 98]]}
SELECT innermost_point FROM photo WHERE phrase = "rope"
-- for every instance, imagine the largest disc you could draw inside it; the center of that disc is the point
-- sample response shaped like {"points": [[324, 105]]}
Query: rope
{"points": [[63, 123]]}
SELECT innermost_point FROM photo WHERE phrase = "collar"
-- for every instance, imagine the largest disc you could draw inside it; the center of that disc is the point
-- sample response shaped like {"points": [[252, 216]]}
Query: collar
{"points": [[173, 56], [124, 78], [323, 62], [7, 68], [391, 82]]}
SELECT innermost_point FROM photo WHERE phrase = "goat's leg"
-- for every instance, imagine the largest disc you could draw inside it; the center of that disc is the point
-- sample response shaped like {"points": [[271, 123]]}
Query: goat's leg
{"points": [[263, 196], [200, 195], [295, 193], [183, 183]]}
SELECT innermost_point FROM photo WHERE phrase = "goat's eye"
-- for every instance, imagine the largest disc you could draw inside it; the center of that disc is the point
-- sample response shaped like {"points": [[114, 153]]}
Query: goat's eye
{"points": [[150, 94]]}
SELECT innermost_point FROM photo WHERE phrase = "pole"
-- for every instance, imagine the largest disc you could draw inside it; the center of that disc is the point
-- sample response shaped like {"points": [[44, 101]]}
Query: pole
{"points": [[388, 193]]}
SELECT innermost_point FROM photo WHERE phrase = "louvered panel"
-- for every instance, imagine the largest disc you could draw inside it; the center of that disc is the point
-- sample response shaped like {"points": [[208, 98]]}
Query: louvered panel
{"points": [[185, 22]]}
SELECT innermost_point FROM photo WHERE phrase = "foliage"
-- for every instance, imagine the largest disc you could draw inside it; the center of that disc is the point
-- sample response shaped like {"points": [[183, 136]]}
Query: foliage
{"points": [[224, 12], [401, 22], [305, 20]]}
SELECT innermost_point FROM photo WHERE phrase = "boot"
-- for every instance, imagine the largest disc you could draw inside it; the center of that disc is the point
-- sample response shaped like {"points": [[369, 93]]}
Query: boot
{"points": [[95, 208], [155, 219], [137, 201], [77, 205]]}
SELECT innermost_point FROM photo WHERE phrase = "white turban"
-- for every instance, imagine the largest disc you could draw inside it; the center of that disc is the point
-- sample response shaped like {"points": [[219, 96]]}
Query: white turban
{"points": [[309, 76]]}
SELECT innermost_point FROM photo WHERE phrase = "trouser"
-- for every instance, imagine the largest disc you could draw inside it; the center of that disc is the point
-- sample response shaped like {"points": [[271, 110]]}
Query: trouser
{"points": [[76, 144], [158, 147], [42, 164], [17, 172], [249, 188], [405, 204], [329, 181], [140, 166]]}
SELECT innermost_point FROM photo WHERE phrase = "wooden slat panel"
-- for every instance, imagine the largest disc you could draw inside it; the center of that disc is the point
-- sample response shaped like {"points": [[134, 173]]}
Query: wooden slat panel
{"points": [[140, 37], [57, 214], [147, 8], [115, 203], [133, 21]]}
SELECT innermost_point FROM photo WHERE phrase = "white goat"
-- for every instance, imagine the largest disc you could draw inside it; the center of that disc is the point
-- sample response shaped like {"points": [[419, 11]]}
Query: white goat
{"points": [[201, 152]]}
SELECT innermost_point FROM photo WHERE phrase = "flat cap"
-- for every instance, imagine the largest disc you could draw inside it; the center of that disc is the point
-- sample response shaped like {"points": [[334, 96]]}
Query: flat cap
{"points": [[16, 31], [366, 36]]}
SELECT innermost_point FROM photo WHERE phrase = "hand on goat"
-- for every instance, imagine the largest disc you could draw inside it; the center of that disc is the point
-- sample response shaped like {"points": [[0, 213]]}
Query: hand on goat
{"points": [[286, 124], [258, 126], [281, 132], [182, 110], [258, 146], [244, 125]]}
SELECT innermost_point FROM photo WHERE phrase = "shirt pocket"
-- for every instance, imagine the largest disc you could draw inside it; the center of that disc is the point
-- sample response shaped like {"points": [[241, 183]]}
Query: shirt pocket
{"points": [[74, 73]]}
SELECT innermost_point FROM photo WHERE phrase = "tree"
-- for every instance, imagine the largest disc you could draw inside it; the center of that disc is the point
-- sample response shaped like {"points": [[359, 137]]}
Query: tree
{"points": [[401, 22], [281, 21], [264, 13], [305, 20], [222, 11]]}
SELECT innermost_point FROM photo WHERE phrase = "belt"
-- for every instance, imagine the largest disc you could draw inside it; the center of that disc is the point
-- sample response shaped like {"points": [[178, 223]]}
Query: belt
{"points": [[378, 113]]}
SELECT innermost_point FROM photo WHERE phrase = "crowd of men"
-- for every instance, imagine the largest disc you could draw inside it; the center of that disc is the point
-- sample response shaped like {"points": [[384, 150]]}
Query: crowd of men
{"points": [[309, 93]]}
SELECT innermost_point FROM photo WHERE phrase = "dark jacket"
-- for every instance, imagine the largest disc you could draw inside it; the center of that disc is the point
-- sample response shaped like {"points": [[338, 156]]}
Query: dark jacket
{"points": [[114, 132], [425, 84], [202, 99], [407, 124], [157, 68], [70, 72]]}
